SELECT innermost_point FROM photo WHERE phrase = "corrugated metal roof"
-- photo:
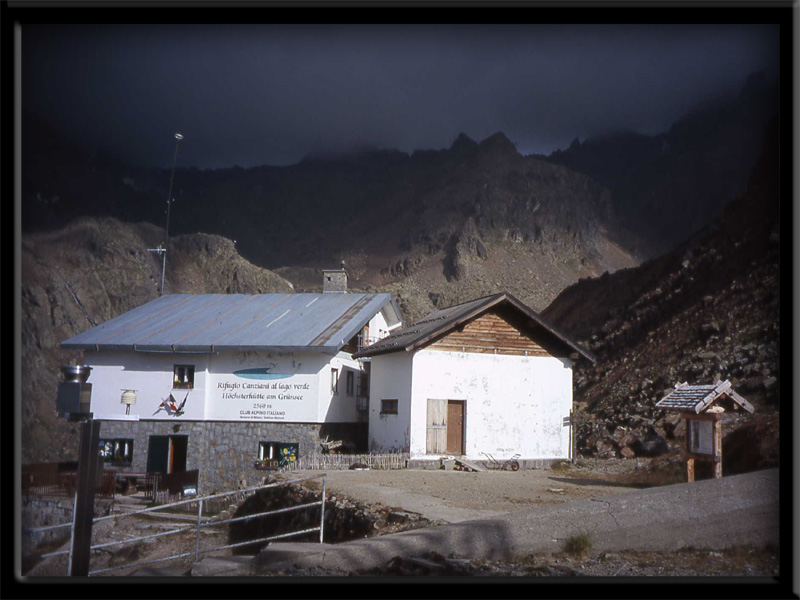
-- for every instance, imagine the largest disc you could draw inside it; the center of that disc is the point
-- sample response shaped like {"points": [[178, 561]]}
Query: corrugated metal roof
{"points": [[210, 322], [697, 398], [440, 321]]}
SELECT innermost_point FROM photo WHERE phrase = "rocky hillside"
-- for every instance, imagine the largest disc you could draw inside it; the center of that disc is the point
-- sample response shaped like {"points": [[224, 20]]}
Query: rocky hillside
{"points": [[704, 312], [93, 270]]}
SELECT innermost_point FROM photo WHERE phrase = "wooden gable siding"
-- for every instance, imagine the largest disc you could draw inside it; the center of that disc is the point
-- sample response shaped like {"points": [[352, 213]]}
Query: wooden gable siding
{"points": [[490, 334]]}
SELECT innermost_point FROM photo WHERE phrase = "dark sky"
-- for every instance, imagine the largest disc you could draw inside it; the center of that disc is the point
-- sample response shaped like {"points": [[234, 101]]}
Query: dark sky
{"points": [[253, 94]]}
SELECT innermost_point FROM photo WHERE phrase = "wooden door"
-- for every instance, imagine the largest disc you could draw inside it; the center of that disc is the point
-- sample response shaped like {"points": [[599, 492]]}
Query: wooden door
{"points": [[158, 454], [455, 427]]}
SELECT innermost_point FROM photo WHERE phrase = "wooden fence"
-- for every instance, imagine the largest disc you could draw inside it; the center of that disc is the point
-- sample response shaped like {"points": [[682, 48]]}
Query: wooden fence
{"points": [[60, 480], [347, 461], [168, 487]]}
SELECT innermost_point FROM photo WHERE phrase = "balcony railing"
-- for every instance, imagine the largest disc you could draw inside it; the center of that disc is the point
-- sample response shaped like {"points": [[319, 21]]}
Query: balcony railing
{"points": [[364, 341]]}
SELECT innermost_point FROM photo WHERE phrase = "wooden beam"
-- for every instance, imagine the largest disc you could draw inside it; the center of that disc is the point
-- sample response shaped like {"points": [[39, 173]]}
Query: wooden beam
{"points": [[740, 401], [702, 416]]}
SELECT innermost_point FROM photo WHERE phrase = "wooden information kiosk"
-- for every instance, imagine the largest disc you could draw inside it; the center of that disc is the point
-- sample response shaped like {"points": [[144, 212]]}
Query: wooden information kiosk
{"points": [[703, 407]]}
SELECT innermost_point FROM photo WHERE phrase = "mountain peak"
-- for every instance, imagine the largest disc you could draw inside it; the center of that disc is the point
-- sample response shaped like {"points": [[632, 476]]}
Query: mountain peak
{"points": [[463, 141], [498, 142]]}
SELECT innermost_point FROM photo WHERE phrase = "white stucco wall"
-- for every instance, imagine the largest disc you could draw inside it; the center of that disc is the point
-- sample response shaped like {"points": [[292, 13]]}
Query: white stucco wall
{"points": [[514, 404], [150, 374], [219, 394], [339, 407], [390, 379]]}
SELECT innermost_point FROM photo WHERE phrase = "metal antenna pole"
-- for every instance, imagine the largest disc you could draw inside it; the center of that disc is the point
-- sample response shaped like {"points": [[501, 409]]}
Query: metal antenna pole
{"points": [[178, 138]]}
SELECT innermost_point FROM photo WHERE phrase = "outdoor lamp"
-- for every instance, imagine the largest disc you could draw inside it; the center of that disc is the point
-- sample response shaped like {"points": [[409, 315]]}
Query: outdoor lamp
{"points": [[74, 394]]}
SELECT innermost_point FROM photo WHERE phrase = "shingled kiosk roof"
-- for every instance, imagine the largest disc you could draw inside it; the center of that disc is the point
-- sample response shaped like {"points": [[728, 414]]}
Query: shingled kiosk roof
{"points": [[697, 398], [440, 322]]}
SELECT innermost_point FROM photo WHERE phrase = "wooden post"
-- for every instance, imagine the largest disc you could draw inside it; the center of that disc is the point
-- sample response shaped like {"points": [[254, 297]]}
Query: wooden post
{"points": [[717, 471], [83, 510], [688, 447]]}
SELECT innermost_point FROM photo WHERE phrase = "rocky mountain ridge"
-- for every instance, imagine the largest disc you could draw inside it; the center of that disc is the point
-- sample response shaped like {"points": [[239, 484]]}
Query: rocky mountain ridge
{"points": [[492, 219], [434, 227]]}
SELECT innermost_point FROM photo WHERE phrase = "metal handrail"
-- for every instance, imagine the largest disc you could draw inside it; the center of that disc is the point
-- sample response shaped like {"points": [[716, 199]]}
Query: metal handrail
{"points": [[199, 525]]}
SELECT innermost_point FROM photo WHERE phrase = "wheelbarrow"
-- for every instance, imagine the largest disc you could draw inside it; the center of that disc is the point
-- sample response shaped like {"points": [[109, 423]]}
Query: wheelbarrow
{"points": [[511, 464]]}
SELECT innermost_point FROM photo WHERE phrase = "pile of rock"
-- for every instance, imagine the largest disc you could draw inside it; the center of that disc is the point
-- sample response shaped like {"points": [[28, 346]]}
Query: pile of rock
{"points": [[345, 519], [605, 439]]}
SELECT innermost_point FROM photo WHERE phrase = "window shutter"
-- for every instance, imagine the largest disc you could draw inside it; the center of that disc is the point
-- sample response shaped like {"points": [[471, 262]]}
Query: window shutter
{"points": [[436, 433]]}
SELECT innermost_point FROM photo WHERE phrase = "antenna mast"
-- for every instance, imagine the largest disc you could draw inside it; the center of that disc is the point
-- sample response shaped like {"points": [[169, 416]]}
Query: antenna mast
{"points": [[162, 249]]}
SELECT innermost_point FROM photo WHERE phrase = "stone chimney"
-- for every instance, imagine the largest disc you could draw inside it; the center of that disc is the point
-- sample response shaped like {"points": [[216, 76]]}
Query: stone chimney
{"points": [[334, 281]]}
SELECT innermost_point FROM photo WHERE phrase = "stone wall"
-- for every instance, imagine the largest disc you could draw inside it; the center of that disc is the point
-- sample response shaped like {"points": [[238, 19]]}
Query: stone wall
{"points": [[44, 511], [224, 452]]}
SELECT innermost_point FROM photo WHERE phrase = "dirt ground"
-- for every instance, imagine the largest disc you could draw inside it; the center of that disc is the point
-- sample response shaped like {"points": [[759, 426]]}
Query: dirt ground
{"points": [[506, 491], [467, 495], [477, 494]]}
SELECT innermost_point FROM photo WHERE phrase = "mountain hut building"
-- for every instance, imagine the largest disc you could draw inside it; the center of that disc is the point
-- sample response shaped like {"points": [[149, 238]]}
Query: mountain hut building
{"points": [[222, 383], [487, 377]]}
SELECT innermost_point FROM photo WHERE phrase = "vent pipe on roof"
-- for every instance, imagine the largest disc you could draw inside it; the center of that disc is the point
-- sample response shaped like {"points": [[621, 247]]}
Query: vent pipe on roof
{"points": [[334, 281]]}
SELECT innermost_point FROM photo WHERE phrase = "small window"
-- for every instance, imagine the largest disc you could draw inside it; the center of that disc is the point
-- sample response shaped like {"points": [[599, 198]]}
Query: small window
{"points": [[334, 381], [351, 383], [274, 455], [363, 383], [183, 377], [117, 451], [388, 407]]}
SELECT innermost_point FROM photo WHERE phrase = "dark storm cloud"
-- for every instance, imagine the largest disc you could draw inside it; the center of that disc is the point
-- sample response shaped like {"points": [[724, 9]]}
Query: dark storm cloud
{"points": [[252, 95]]}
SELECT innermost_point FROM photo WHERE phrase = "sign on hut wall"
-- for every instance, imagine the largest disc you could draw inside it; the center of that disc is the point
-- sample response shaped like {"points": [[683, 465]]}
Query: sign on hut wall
{"points": [[274, 390]]}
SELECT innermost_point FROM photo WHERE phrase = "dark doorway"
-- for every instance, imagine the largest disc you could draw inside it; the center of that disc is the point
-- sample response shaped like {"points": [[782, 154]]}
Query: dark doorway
{"points": [[167, 453]]}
